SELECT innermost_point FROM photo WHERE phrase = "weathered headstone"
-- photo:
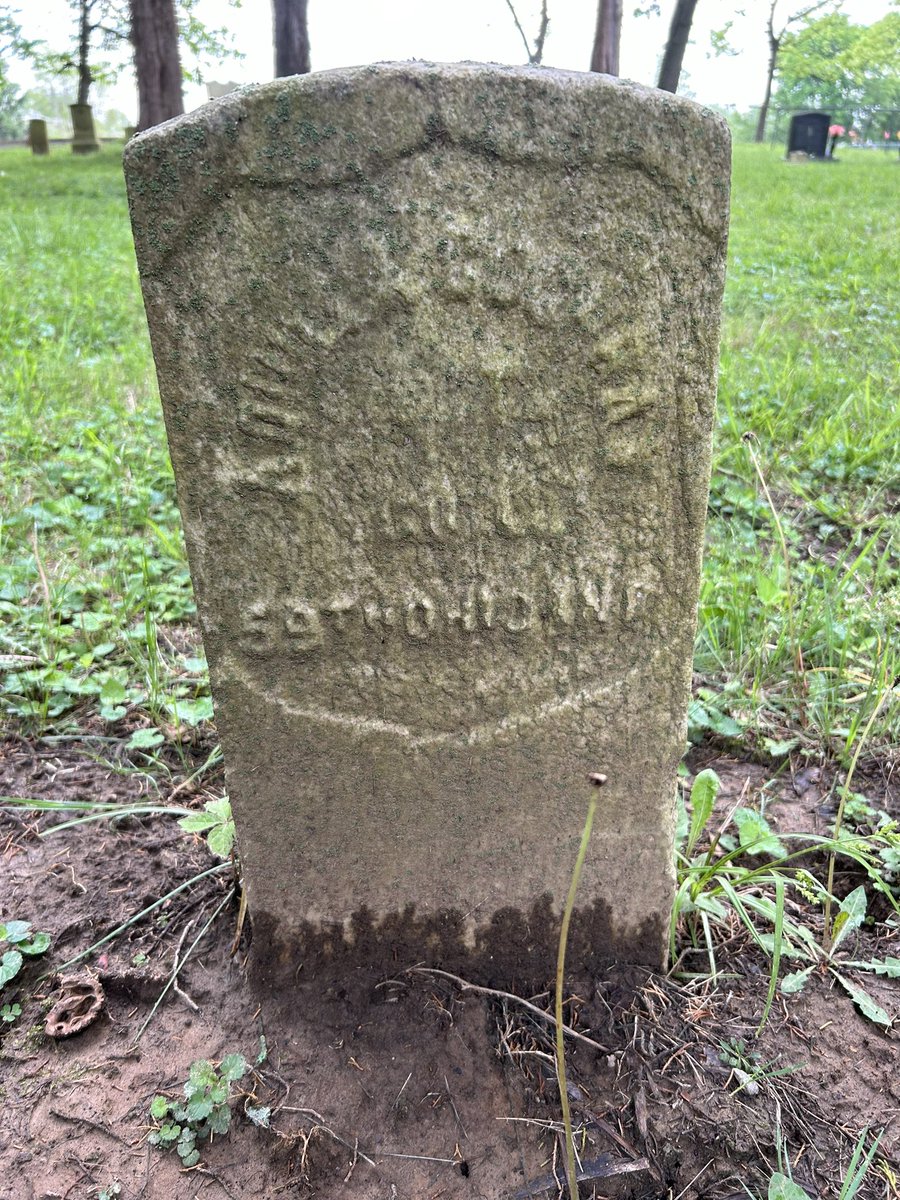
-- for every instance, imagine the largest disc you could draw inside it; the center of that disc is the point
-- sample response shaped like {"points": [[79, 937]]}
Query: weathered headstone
{"points": [[437, 349], [37, 137], [808, 134], [84, 136]]}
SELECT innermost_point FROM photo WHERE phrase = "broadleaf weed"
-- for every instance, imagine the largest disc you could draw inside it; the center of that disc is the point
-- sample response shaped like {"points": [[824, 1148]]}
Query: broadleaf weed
{"points": [[205, 1111]]}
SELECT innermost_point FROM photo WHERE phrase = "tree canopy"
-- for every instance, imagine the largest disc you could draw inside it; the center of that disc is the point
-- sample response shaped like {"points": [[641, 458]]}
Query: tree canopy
{"points": [[850, 70], [109, 28], [12, 45]]}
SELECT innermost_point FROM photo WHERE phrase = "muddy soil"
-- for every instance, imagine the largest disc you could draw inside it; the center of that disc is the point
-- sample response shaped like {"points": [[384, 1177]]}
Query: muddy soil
{"points": [[426, 1089]]}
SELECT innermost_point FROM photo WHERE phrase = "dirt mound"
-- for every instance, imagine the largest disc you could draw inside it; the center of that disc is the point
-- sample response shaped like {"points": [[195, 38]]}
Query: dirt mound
{"points": [[427, 1089]]}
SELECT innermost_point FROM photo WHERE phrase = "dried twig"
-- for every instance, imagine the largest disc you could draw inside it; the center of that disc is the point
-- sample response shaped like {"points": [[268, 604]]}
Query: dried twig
{"points": [[212, 1175], [321, 1124], [455, 1110], [95, 1125], [602, 1167], [450, 1162], [177, 967], [496, 994]]}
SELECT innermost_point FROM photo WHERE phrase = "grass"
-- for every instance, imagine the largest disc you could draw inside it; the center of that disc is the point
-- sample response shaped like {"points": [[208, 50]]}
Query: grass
{"points": [[796, 645], [800, 589], [94, 586], [800, 634]]}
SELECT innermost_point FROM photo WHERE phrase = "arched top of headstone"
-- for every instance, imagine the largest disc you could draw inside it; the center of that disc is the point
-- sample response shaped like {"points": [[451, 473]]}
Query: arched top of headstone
{"points": [[287, 133]]}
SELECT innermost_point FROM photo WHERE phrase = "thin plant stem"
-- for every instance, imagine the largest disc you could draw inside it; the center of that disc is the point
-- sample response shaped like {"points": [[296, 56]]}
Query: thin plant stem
{"points": [[45, 587], [218, 869], [512, 999], [571, 1169], [179, 963], [788, 586], [845, 791], [859, 1166], [776, 952]]}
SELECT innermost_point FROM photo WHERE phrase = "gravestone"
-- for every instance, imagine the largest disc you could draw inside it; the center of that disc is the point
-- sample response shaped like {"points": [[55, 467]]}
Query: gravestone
{"points": [[808, 134], [37, 137], [84, 137], [437, 350]]}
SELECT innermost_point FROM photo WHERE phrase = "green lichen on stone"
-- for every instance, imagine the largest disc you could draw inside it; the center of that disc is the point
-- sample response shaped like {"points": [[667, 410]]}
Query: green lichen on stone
{"points": [[440, 411]]}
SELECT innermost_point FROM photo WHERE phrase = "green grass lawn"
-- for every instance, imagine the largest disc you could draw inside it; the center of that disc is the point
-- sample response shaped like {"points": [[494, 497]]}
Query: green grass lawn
{"points": [[795, 640], [808, 387]]}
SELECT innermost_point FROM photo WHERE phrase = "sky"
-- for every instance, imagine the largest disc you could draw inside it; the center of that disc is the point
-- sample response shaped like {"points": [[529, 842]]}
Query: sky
{"points": [[354, 32]]}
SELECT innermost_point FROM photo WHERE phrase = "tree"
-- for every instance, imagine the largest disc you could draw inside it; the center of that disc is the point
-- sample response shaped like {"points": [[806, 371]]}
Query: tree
{"points": [[851, 70], [291, 37], [12, 124], [154, 37], [536, 55], [607, 37], [153, 30], [49, 99], [775, 41], [673, 55], [873, 63], [100, 26]]}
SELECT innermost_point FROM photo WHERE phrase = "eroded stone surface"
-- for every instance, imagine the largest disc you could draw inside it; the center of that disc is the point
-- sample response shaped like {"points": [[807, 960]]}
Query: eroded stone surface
{"points": [[437, 348]]}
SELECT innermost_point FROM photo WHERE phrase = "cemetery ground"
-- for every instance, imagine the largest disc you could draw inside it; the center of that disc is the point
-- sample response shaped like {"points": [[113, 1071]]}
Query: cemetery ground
{"points": [[759, 1052]]}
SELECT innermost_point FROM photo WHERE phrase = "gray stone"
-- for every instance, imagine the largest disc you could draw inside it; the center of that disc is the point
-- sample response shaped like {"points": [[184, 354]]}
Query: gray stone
{"points": [[37, 137], [84, 136], [437, 349]]}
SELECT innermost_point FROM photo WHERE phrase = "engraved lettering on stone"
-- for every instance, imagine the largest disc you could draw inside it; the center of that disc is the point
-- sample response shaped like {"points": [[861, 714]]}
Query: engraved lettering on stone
{"points": [[464, 613], [337, 613], [518, 612], [303, 626], [258, 633], [597, 598], [422, 518], [420, 617], [523, 515], [585, 602], [639, 591]]}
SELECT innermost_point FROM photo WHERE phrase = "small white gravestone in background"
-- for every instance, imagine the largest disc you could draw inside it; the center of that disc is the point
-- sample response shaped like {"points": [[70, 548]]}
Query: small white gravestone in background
{"points": [[214, 89], [437, 351]]}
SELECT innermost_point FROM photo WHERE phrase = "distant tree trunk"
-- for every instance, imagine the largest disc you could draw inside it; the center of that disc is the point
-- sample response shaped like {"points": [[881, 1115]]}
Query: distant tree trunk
{"points": [[85, 78], [774, 44], [291, 37], [154, 36], [802, 14], [605, 56], [673, 57]]}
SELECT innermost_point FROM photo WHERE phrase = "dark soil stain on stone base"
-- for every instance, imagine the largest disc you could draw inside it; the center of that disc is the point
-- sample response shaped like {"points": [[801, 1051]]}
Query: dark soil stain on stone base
{"points": [[512, 945], [463, 1085]]}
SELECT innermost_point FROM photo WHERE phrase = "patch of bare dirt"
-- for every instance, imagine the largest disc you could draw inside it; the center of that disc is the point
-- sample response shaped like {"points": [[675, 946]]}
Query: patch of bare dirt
{"points": [[425, 1089]]}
